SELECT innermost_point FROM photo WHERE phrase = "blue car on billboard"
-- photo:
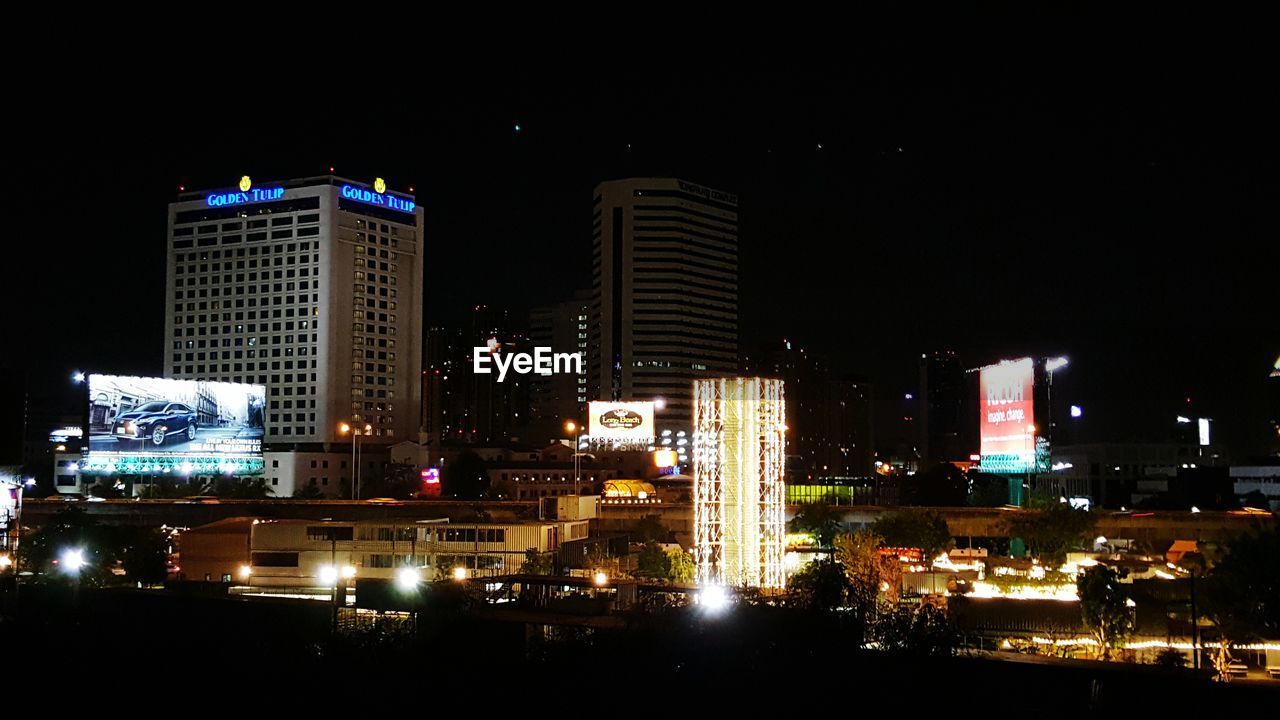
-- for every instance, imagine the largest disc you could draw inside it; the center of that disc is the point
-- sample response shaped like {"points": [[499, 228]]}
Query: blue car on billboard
{"points": [[155, 422]]}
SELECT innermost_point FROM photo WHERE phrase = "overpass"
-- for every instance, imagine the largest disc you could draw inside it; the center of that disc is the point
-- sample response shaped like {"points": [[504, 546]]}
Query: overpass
{"points": [[1154, 528], [191, 513]]}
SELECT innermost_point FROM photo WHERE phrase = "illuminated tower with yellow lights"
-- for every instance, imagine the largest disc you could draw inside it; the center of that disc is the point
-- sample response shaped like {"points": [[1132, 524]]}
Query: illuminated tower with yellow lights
{"points": [[738, 451]]}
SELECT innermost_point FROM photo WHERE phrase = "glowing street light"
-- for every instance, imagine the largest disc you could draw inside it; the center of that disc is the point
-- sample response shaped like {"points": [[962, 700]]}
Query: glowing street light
{"points": [[72, 561], [348, 572], [245, 572], [1051, 365], [459, 573], [328, 575], [344, 429], [407, 578], [713, 599], [576, 430], [601, 579]]}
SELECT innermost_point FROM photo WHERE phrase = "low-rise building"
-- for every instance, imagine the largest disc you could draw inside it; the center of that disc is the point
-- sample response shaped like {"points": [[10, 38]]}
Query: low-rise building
{"points": [[274, 553], [1251, 481]]}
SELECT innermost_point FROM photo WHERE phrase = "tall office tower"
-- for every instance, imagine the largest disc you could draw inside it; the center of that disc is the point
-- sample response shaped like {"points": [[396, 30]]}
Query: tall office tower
{"points": [[443, 414], [311, 287], [498, 411], [563, 328], [830, 435], [738, 489], [845, 445], [940, 401], [664, 308]]}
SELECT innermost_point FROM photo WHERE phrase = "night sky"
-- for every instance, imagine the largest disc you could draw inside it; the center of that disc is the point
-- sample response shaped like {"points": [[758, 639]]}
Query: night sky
{"points": [[999, 200]]}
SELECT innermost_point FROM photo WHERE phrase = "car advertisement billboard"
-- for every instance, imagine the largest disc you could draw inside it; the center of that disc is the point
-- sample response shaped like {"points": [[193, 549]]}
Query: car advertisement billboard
{"points": [[157, 426], [1007, 423], [621, 422]]}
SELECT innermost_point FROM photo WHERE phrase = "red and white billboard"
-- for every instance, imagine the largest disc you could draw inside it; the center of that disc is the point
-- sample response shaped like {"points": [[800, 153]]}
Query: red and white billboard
{"points": [[1008, 413]]}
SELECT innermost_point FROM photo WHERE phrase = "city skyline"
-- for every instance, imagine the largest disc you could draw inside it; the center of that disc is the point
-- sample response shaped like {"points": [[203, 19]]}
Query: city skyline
{"points": [[943, 362], [869, 235]]}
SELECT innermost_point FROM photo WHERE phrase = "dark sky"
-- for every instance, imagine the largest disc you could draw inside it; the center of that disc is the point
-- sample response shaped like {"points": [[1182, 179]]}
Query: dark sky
{"points": [[1115, 203]]}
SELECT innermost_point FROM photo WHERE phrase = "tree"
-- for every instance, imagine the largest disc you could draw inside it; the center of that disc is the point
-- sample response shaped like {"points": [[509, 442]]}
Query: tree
{"points": [[1105, 607], [1052, 531], [466, 477], [395, 480], [164, 488], [818, 519], [820, 585], [1241, 594], [141, 552], [650, 528], [1256, 498], [915, 630], [683, 568], [536, 563], [653, 562], [874, 579], [307, 492], [146, 556], [987, 490], [71, 528], [1171, 658], [915, 528], [242, 488]]}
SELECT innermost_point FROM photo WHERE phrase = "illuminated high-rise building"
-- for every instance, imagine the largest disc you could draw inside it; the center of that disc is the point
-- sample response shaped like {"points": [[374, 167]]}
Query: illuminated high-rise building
{"points": [[563, 327], [665, 292], [940, 399], [311, 287], [830, 437], [739, 493]]}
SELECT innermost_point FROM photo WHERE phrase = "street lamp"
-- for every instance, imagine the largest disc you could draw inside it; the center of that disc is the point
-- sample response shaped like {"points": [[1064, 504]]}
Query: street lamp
{"points": [[407, 578], [713, 599], [329, 576], [72, 561], [459, 573], [1052, 365], [343, 429], [576, 430]]}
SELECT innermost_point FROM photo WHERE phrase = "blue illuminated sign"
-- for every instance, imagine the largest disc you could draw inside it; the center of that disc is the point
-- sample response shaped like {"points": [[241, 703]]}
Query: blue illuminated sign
{"points": [[240, 198], [351, 192]]}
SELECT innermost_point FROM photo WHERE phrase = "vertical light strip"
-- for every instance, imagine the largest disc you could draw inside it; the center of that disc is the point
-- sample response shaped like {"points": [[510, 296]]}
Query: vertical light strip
{"points": [[739, 495]]}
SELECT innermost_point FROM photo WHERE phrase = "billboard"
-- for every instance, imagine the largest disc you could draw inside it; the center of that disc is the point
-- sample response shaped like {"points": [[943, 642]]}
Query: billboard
{"points": [[621, 422], [159, 426], [430, 481], [1007, 422]]}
